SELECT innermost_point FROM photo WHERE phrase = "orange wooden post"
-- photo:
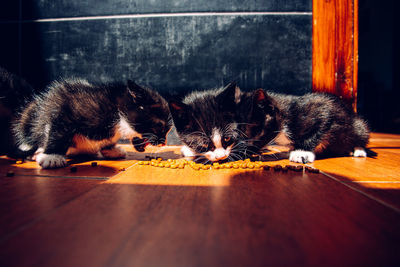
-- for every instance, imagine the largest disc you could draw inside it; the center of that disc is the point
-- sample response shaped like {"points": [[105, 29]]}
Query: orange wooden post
{"points": [[335, 48]]}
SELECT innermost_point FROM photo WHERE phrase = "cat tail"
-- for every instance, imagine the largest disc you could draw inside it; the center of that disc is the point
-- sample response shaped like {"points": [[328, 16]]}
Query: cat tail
{"points": [[362, 132]]}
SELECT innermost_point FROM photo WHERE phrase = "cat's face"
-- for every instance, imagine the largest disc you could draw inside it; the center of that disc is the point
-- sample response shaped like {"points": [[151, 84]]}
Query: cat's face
{"points": [[150, 115], [206, 123], [260, 119]]}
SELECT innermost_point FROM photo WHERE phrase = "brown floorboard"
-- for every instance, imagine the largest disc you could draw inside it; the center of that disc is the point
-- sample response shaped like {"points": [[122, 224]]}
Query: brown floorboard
{"points": [[138, 215]]}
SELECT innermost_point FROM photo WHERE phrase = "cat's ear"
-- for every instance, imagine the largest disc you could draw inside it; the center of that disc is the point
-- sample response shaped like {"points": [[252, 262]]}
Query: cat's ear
{"points": [[137, 92], [177, 106], [263, 102], [230, 95], [180, 113]]}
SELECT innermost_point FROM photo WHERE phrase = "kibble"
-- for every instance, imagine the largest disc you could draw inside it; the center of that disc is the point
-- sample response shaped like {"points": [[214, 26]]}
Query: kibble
{"points": [[19, 161], [296, 168], [182, 163], [93, 164], [277, 168], [10, 174], [311, 169]]}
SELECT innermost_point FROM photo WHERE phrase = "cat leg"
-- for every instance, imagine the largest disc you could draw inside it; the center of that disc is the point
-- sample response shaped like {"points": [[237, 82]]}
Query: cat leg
{"points": [[113, 152], [301, 156], [359, 152], [52, 153]]}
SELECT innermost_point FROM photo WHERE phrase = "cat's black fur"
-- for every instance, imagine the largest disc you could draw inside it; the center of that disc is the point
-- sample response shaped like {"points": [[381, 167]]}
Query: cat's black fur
{"points": [[75, 117], [317, 123], [248, 121], [15, 92], [203, 116]]}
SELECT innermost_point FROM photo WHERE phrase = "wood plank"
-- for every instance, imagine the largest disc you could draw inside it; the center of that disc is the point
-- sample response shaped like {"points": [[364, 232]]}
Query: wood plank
{"points": [[260, 218], [335, 48], [387, 192], [384, 167], [26, 199]]}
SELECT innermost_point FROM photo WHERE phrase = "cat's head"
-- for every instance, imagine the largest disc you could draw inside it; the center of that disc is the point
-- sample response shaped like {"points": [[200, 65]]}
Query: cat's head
{"points": [[260, 117], [206, 122], [149, 115]]}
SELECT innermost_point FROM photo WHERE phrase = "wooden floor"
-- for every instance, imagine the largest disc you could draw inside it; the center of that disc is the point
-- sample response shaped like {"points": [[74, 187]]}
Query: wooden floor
{"points": [[120, 213]]}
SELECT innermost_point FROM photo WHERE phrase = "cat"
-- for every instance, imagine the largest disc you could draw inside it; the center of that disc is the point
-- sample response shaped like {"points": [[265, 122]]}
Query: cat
{"points": [[314, 123], [15, 92], [77, 117], [206, 123], [227, 124]]}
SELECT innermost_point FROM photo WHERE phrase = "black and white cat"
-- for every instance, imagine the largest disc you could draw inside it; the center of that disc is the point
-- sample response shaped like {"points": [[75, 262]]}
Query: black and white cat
{"points": [[206, 123], [15, 92], [227, 124], [313, 123], [77, 117]]}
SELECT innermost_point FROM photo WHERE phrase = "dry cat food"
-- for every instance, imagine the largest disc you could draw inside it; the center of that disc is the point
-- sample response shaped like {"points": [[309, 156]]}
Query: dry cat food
{"points": [[180, 164], [73, 169], [311, 169], [240, 164]]}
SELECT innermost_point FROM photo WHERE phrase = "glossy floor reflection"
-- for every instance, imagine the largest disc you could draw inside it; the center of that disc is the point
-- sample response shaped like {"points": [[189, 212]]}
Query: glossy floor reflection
{"points": [[145, 216]]}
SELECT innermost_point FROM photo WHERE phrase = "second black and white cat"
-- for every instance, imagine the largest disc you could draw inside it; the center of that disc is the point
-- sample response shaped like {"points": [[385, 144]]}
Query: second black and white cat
{"points": [[227, 124], [77, 117], [314, 123]]}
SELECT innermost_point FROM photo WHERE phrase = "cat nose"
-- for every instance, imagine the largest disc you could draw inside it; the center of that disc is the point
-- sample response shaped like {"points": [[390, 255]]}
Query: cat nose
{"points": [[220, 154]]}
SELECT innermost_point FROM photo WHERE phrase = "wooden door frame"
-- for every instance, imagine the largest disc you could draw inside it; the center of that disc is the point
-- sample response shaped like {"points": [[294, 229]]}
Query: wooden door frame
{"points": [[335, 48]]}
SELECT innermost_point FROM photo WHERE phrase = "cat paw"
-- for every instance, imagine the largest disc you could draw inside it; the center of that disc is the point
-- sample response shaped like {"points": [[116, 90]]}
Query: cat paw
{"points": [[25, 147], [301, 156], [113, 153], [187, 152], [51, 161], [359, 152]]}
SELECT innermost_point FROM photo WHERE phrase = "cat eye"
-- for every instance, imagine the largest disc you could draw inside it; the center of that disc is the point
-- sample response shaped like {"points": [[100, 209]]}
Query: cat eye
{"points": [[227, 139], [141, 107]]}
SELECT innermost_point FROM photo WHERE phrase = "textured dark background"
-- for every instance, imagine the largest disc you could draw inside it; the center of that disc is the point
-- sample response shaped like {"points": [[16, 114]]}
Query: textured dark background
{"points": [[172, 54], [175, 54]]}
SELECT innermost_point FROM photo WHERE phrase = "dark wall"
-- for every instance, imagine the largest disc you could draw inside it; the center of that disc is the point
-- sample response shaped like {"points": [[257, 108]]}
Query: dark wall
{"points": [[173, 46], [379, 91]]}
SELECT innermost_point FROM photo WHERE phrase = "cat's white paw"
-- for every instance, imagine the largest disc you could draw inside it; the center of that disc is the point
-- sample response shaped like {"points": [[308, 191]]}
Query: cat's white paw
{"points": [[359, 152], [301, 156], [113, 153], [50, 161], [187, 152]]}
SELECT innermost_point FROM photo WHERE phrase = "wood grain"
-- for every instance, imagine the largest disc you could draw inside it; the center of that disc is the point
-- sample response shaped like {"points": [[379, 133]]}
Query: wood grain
{"points": [[147, 216], [335, 48], [265, 218], [26, 199]]}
